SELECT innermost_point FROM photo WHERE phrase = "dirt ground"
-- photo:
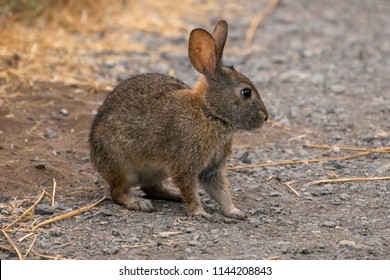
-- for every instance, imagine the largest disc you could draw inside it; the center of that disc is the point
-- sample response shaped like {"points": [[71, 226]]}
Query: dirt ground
{"points": [[322, 68]]}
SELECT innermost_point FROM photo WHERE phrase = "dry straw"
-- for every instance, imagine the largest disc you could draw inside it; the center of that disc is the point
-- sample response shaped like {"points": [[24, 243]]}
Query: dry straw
{"points": [[27, 211], [29, 248], [344, 180], [257, 20], [363, 152], [289, 185], [13, 244], [68, 215], [54, 192], [294, 162]]}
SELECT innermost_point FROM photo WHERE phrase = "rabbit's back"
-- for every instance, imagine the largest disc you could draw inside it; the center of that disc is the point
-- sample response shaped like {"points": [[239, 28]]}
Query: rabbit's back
{"points": [[140, 94], [137, 103]]}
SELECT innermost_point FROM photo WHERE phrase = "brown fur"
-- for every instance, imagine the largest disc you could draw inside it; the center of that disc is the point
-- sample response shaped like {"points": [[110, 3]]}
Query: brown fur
{"points": [[152, 127]]}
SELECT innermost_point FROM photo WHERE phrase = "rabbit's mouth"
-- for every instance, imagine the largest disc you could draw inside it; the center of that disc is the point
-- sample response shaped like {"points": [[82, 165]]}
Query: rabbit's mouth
{"points": [[252, 124]]}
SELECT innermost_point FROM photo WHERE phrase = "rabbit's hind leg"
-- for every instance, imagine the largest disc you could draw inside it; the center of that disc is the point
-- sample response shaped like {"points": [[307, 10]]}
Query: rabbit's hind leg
{"points": [[156, 187], [121, 193]]}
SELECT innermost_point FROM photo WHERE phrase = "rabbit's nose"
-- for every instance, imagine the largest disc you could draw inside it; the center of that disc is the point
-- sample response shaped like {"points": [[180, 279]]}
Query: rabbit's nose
{"points": [[265, 113]]}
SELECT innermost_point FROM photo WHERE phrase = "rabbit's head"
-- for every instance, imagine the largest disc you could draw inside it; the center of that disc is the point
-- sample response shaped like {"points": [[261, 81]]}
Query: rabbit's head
{"points": [[229, 95]]}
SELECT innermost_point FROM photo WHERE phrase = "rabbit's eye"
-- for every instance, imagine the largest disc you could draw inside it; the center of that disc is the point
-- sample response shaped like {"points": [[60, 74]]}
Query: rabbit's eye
{"points": [[246, 92]]}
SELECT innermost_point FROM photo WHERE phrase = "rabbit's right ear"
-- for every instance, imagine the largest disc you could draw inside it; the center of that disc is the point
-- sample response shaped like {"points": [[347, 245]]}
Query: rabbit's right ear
{"points": [[202, 52], [220, 34]]}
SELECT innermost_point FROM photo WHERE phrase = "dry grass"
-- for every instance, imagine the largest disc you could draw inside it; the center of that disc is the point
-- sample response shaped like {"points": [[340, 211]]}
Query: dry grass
{"points": [[30, 209], [70, 14], [345, 180], [257, 20], [68, 215], [363, 152], [55, 41]]}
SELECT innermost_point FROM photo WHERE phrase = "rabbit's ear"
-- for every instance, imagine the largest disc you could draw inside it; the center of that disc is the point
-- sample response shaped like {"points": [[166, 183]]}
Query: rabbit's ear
{"points": [[202, 52], [220, 34]]}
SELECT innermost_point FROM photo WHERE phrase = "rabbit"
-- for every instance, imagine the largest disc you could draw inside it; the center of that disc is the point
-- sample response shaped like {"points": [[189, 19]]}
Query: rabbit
{"points": [[153, 127]]}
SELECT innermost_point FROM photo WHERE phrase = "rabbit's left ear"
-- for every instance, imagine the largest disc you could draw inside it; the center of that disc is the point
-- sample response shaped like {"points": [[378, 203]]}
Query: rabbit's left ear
{"points": [[220, 34], [202, 52]]}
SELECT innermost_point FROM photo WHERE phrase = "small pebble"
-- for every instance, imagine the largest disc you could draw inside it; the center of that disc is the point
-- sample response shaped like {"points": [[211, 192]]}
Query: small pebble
{"points": [[86, 215], [64, 112], [278, 59], [115, 233], [85, 159], [255, 223], [108, 64], [373, 240], [318, 79], [164, 235], [326, 190], [284, 222], [56, 233], [40, 165], [347, 243], [4, 211], [322, 191], [293, 76], [43, 209], [121, 77], [338, 89], [230, 221], [329, 224], [188, 229], [338, 165], [188, 250], [274, 193], [51, 134], [305, 251], [243, 156], [344, 196], [57, 241], [276, 210], [196, 236], [336, 201], [105, 212], [284, 246], [56, 117], [111, 251]]}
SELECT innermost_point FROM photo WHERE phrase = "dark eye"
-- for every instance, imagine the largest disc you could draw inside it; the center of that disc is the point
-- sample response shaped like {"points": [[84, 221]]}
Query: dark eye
{"points": [[246, 92]]}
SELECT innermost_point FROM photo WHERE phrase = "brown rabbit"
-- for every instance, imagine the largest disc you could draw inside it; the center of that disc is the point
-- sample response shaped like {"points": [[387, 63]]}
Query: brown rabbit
{"points": [[153, 126]]}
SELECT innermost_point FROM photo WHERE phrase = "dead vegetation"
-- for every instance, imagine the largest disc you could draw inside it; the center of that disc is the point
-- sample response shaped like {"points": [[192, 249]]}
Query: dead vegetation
{"points": [[44, 40]]}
